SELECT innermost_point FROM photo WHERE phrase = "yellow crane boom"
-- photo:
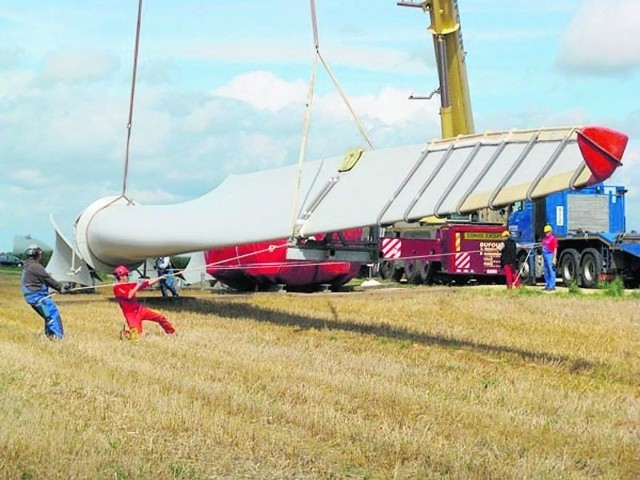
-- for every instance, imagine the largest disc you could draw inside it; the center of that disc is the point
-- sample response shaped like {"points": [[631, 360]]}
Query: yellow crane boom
{"points": [[455, 104]]}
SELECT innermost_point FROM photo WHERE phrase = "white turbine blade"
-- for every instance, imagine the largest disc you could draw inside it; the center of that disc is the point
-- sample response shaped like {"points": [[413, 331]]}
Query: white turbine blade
{"points": [[383, 187], [65, 264], [196, 270], [465, 174]]}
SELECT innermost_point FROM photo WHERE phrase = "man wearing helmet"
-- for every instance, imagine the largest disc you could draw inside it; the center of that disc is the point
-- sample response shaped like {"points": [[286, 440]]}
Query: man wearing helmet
{"points": [[36, 282], [509, 260], [549, 252], [134, 313]]}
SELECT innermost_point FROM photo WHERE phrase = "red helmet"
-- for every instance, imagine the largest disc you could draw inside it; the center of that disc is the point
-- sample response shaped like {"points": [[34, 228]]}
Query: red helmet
{"points": [[121, 271]]}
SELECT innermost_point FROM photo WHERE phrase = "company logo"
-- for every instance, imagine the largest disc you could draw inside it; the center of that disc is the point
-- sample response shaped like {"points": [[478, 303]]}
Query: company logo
{"points": [[482, 235]]}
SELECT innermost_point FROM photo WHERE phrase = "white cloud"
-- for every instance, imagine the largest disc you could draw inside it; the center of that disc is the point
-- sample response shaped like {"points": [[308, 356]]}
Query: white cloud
{"points": [[78, 67], [376, 59], [29, 177], [603, 36], [14, 83], [263, 90], [9, 57], [245, 52], [393, 107]]}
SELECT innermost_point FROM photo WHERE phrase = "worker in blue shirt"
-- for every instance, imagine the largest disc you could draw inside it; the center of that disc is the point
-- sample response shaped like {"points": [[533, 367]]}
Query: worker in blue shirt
{"points": [[549, 253], [167, 279]]}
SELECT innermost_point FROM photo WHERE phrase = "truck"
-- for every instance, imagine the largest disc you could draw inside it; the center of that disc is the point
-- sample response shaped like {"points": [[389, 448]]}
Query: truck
{"points": [[455, 253], [590, 225]]}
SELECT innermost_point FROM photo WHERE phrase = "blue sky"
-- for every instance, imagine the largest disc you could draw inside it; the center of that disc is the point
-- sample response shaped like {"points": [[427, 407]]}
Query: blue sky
{"points": [[222, 85]]}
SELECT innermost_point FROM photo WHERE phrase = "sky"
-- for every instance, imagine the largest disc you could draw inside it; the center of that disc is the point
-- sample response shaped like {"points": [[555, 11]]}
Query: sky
{"points": [[222, 85]]}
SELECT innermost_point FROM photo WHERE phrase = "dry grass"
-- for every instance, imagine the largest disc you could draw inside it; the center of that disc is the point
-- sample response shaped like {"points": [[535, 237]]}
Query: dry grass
{"points": [[413, 383]]}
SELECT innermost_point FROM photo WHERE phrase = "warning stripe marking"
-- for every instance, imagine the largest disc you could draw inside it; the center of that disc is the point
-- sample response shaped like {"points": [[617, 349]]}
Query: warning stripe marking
{"points": [[391, 248], [462, 261]]}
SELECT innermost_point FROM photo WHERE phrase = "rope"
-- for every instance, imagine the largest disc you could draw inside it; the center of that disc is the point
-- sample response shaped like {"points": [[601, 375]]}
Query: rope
{"points": [[526, 261], [307, 115], [316, 43], [442, 255], [303, 143], [346, 101], [314, 24], [272, 248], [133, 89]]}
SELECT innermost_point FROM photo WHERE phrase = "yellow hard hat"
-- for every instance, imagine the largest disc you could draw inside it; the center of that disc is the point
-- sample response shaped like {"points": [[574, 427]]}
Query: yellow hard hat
{"points": [[547, 228], [505, 233]]}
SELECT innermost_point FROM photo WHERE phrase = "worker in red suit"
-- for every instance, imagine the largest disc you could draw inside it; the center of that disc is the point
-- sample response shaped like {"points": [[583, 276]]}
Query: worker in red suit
{"points": [[134, 313]]}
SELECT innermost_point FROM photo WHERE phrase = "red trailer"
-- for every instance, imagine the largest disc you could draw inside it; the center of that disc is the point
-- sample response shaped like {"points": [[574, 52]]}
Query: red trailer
{"points": [[449, 253], [260, 266]]}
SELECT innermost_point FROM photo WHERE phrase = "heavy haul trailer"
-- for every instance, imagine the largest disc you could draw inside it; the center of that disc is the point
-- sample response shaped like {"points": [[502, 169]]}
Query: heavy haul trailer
{"points": [[456, 253], [263, 266], [590, 226]]}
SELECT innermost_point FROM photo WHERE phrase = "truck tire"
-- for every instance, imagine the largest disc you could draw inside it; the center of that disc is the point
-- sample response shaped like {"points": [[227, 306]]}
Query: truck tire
{"points": [[386, 269], [590, 267], [241, 284], [427, 271], [398, 272], [412, 270], [570, 267]]}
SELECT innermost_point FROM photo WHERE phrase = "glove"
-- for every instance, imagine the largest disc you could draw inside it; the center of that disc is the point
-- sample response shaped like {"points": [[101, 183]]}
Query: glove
{"points": [[65, 288]]}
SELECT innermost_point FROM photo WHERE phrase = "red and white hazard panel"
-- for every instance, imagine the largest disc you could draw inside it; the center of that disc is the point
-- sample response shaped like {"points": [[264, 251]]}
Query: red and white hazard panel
{"points": [[462, 261], [391, 247]]}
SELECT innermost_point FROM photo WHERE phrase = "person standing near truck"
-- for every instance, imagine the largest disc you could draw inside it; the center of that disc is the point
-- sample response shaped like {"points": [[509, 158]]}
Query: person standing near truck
{"points": [[549, 254], [509, 260]]}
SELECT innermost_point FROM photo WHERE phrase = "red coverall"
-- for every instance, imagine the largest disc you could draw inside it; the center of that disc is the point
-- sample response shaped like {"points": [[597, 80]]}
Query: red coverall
{"points": [[135, 313]]}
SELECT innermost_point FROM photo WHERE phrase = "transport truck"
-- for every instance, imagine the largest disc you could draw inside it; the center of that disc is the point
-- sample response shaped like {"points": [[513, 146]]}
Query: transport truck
{"points": [[590, 226], [451, 253]]}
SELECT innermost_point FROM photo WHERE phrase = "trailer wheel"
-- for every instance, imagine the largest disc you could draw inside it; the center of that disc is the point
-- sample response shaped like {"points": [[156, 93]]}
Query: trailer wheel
{"points": [[413, 268], [386, 269], [591, 267], [397, 272], [570, 267], [427, 271], [241, 284]]}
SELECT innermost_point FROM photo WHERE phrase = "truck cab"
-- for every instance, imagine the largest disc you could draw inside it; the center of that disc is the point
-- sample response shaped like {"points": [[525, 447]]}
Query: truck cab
{"points": [[590, 227]]}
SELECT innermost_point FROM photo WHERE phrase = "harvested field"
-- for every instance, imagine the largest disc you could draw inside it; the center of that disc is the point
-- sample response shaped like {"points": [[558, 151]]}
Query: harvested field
{"points": [[403, 383]]}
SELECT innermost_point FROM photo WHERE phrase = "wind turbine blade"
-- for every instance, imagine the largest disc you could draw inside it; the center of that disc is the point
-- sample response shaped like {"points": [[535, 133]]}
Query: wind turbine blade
{"points": [[383, 186], [65, 264]]}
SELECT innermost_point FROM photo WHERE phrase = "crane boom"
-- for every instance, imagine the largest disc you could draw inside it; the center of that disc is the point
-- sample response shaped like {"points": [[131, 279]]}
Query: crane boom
{"points": [[455, 104]]}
